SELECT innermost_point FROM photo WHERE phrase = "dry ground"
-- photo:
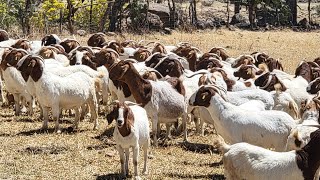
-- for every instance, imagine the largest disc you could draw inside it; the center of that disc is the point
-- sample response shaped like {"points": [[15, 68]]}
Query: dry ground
{"points": [[28, 153]]}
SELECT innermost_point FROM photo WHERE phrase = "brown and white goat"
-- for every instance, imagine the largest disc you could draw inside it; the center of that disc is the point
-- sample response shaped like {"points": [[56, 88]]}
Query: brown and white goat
{"points": [[162, 102], [131, 131]]}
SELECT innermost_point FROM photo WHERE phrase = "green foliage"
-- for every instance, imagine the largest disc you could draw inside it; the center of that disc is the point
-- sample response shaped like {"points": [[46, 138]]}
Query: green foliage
{"points": [[137, 15]]}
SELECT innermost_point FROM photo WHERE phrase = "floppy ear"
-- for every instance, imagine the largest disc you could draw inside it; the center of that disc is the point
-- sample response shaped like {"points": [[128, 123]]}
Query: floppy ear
{"points": [[114, 113]]}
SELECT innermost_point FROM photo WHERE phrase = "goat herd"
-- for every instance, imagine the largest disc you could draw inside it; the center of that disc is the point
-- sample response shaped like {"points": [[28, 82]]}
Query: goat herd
{"points": [[252, 103]]}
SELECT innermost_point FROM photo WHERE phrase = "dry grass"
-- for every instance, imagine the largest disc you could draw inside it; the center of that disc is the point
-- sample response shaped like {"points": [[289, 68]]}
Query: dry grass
{"points": [[28, 153]]}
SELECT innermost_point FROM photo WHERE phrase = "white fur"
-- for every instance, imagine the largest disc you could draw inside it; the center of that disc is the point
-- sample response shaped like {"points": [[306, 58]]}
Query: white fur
{"points": [[139, 136], [264, 128], [246, 161]]}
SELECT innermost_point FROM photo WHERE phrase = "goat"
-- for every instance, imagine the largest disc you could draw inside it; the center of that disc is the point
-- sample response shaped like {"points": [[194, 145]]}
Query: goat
{"points": [[3, 35], [162, 102], [57, 92], [264, 128], [50, 40], [69, 44], [96, 40], [132, 130], [13, 79], [246, 161]]}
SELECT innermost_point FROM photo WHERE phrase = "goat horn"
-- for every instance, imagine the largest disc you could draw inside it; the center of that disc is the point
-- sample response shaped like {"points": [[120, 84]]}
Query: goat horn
{"points": [[20, 62], [111, 50]]}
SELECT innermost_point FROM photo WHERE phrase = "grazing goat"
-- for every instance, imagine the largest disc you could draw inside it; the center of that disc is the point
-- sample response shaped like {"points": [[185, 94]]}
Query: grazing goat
{"points": [[53, 91], [246, 161], [131, 131], [264, 128]]}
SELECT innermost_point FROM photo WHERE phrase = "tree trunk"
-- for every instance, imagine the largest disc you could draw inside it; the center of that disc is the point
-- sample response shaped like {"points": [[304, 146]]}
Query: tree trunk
{"points": [[172, 9], [105, 16], [252, 13], [228, 13], [69, 17], [193, 12], [90, 18], [309, 10], [114, 15], [27, 16], [294, 13], [237, 6]]}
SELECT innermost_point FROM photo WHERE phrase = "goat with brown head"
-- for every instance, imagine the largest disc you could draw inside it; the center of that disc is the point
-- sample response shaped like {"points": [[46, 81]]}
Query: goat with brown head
{"points": [[4, 35], [69, 44], [123, 116], [208, 63], [273, 64], [96, 40], [247, 72], [115, 46], [141, 54], [304, 70], [267, 82], [22, 44], [260, 58], [222, 52]]}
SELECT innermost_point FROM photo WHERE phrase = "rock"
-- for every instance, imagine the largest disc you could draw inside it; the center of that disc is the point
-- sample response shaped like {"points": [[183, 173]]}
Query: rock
{"points": [[207, 2], [239, 19], [162, 10], [154, 21], [304, 23], [81, 32]]}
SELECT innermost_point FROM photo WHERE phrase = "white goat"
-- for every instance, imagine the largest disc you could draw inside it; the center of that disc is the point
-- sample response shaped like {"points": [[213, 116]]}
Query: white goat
{"points": [[57, 92], [264, 128], [131, 131], [246, 161]]}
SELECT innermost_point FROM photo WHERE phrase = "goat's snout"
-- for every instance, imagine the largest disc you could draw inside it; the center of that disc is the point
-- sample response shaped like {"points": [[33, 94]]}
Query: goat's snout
{"points": [[77, 63], [120, 122]]}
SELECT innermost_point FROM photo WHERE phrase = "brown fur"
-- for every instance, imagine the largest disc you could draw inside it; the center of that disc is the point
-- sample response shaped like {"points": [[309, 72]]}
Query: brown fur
{"points": [[22, 44], [139, 87], [105, 57], [274, 64], [3, 64], [189, 53], [243, 60], [141, 54], [46, 53], [69, 45], [263, 79], [221, 52], [230, 83], [159, 48], [96, 40], [116, 46], [124, 130], [14, 56], [261, 58], [305, 71], [246, 72], [177, 84], [150, 75], [3, 35], [308, 158], [207, 64], [203, 96]]}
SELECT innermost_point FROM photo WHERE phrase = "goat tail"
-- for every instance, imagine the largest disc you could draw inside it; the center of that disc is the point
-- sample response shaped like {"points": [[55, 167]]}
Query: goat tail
{"points": [[221, 144]]}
